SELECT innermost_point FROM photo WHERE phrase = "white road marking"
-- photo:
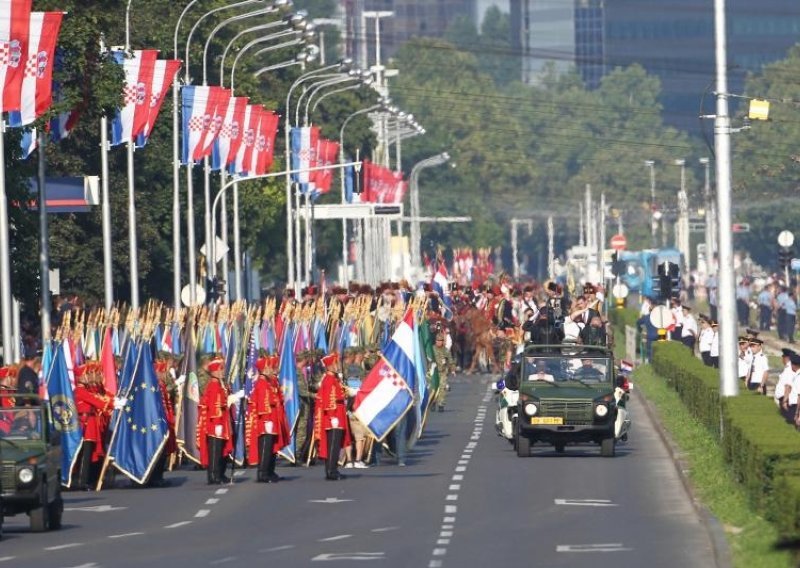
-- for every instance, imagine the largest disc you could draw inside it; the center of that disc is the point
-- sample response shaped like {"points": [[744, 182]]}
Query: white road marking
{"points": [[461, 468], [63, 546], [179, 524], [202, 513], [443, 541], [239, 473], [337, 537], [95, 509], [471, 445], [439, 551], [124, 535], [452, 497], [458, 477], [224, 560], [449, 520], [212, 501], [7, 558], [435, 564], [446, 534], [447, 527], [329, 500], [349, 556], [89, 565], [586, 502], [221, 491], [384, 529], [614, 547], [463, 462], [277, 548], [450, 509], [454, 487]]}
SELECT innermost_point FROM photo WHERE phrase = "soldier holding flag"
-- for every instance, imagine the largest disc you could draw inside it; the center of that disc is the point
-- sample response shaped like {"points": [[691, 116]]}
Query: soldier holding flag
{"points": [[267, 426], [214, 423], [330, 424]]}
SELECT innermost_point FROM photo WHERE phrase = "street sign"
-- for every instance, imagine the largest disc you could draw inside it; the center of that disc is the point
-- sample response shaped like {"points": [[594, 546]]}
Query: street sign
{"points": [[618, 242], [220, 249], [795, 264], [620, 291], [662, 317], [786, 239]]}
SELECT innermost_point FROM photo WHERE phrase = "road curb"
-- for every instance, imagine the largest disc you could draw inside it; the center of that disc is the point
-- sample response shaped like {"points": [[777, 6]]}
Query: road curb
{"points": [[714, 529]]}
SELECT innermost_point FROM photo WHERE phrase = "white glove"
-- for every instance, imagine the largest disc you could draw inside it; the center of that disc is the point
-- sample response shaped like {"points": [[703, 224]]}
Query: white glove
{"points": [[239, 394], [218, 430], [119, 403], [334, 422], [268, 425], [351, 391], [232, 399], [180, 380], [172, 372], [433, 367]]}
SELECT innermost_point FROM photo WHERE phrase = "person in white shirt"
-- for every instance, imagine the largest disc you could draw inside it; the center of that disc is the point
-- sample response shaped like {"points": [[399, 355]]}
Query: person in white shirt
{"points": [[677, 312], [714, 351], [745, 360], [706, 336], [689, 329], [790, 397], [757, 380], [786, 376]]}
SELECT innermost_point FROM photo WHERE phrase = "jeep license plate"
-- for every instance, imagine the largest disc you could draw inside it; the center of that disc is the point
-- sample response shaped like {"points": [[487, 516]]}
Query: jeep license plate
{"points": [[547, 420]]}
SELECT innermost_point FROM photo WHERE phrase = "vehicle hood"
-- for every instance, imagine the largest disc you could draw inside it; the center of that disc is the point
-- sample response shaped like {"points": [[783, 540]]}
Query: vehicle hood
{"points": [[24, 453], [577, 392]]}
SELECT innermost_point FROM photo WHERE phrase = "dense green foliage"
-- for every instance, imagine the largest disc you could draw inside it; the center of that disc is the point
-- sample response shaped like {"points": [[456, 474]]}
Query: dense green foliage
{"points": [[757, 443]]}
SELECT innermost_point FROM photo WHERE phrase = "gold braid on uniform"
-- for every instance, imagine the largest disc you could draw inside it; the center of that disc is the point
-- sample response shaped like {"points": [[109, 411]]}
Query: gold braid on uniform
{"points": [[332, 401]]}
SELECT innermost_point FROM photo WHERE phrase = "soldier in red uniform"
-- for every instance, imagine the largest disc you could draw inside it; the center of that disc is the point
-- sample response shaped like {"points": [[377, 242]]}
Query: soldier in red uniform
{"points": [[171, 445], [214, 423], [330, 422], [268, 430], [93, 409]]}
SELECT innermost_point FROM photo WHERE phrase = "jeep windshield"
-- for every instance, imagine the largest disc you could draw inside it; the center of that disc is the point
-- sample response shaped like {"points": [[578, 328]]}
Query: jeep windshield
{"points": [[585, 369], [20, 424]]}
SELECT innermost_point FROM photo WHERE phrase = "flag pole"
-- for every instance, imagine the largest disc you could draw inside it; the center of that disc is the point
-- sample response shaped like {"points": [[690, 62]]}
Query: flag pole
{"points": [[132, 247], [5, 259], [44, 241]]}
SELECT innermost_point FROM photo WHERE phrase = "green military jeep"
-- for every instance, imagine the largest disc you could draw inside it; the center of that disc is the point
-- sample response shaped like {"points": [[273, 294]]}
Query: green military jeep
{"points": [[566, 395], [30, 453]]}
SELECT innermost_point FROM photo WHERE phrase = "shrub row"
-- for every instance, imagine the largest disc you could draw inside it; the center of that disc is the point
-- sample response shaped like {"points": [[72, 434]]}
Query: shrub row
{"points": [[762, 449]]}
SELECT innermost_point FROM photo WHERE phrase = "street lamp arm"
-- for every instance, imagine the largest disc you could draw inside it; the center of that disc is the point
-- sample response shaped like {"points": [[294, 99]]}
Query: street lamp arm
{"points": [[326, 78], [327, 84], [252, 29], [276, 66], [334, 92], [201, 19], [266, 49]]}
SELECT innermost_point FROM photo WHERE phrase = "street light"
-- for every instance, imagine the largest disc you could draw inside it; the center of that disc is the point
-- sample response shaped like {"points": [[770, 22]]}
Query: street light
{"points": [[682, 227], [437, 160], [710, 217]]}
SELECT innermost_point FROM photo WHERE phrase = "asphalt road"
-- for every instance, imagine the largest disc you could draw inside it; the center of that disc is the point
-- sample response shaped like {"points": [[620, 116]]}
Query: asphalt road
{"points": [[464, 499]]}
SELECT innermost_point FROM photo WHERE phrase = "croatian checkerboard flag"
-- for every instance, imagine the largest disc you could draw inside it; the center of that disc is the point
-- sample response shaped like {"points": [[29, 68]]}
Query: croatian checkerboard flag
{"points": [[440, 284], [202, 119], [36, 89], [244, 157], [230, 135], [163, 74], [14, 29], [304, 143], [132, 117], [266, 142], [388, 391]]}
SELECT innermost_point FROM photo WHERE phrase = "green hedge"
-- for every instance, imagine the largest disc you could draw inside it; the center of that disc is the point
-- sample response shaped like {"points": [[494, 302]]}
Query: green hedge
{"points": [[762, 449]]}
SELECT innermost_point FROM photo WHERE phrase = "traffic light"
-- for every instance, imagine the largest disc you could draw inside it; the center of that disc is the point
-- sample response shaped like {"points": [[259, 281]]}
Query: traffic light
{"points": [[669, 277], [785, 256], [617, 266], [220, 291], [211, 290]]}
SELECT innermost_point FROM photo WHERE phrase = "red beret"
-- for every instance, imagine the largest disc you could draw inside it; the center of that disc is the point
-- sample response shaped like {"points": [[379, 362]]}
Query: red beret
{"points": [[3, 372], [80, 370], [216, 364], [161, 366], [330, 359], [273, 361]]}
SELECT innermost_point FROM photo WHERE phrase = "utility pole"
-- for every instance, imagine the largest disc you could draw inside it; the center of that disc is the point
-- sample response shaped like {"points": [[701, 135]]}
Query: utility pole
{"points": [[710, 218], [590, 228], [514, 245], [581, 239], [551, 269], [726, 294], [682, 226], [653, 221], [601, 241]]}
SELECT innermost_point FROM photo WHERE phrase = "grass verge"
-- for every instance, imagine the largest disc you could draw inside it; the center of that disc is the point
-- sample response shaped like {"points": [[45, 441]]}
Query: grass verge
{"points": [[751, 538]]}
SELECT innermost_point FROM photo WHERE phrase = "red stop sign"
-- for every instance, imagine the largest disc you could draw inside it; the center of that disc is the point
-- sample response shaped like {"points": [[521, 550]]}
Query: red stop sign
{"points": [[618, 242]]}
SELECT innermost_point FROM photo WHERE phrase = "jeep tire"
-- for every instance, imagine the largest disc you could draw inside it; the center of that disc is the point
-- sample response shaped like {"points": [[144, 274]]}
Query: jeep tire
{"points": [[608, 447]]}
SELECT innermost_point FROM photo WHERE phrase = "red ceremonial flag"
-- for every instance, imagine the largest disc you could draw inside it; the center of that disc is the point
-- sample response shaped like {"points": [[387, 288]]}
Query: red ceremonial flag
{"points": [[108, 365], [163, 74], [212, 121], [143, 90], [367, 181], [36, 90], [268, 131], [327, 155], [14, 29], [250, 139], [237, 128]]}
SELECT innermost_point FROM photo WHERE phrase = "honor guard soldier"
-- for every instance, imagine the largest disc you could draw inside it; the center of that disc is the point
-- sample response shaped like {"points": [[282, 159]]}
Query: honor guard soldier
{"points": [[171, 446], [444, 362], [91, 408], [331, 427], [268, 429], [214, 423]]}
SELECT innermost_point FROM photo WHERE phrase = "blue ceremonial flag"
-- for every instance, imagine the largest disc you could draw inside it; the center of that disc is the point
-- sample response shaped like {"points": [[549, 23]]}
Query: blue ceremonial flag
{"points": [[421, 396], [189, 399], [141, 428], [287, 375], [237, 382], [65, 414], [320, 338], [349, 173]]}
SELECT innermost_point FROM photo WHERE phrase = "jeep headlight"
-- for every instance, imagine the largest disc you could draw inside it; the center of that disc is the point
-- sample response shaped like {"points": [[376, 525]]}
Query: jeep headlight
{"points": [[601, 410], [531, 409], [25, 475]]}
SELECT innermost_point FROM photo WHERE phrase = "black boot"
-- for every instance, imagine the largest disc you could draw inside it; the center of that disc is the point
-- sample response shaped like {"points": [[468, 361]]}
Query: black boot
{"points": [[271, 475], [265, 442], [214, 470], [85, 467], [335, 436]]}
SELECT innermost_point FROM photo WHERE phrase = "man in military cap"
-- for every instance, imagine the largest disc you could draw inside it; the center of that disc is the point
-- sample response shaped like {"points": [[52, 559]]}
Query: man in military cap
{"points": [[785, 378], [330, 424], [790, 397], [446, 366], [269, 430], [214, 423], [92, 409], [757, 378]]}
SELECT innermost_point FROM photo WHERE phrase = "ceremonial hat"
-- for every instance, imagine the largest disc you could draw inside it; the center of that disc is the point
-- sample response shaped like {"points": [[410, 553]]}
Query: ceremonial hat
{"points": [[752, 332], [742, 339], [588, 288], [216, 364], [786, 352], [273, 361], [794, 359], [161, 366], [4, 372], [79, 371], [261, 363], [687, 307], [714, 323], [755, 341], [330, 359]]}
